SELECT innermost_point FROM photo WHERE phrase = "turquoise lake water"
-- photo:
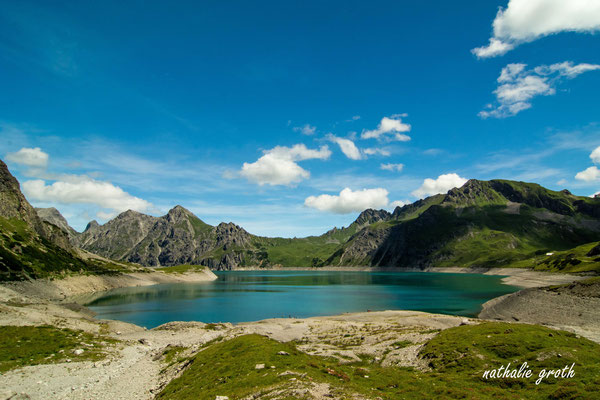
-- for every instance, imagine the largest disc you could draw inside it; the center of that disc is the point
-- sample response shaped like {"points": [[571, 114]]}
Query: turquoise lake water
{"points": [[239, 296]]}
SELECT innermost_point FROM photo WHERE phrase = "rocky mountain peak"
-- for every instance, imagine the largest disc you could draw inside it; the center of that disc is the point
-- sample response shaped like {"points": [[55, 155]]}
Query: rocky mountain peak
{"points": [[91, 225], [178, 212], [53, 216], [370, 216], [230, 233], [129, 214]]}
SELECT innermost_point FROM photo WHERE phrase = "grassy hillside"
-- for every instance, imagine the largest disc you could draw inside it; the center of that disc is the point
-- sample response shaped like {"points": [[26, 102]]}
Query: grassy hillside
{"points": [[26, 255], [457, 357]]}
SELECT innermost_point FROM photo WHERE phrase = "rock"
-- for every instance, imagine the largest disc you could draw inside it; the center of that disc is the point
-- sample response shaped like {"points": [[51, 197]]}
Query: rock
{"points": [[259, 366], [144, 342], [78, 352], [465, 321], [283, 353], [221, 398], [594, 251]]}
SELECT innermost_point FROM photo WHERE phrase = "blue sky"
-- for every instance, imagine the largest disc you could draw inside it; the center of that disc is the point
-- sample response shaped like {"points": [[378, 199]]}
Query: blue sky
{"points": [[288, 118]]}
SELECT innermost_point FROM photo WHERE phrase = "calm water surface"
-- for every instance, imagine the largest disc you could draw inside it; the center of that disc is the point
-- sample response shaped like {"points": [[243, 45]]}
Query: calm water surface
{"points": [[239, 296]]}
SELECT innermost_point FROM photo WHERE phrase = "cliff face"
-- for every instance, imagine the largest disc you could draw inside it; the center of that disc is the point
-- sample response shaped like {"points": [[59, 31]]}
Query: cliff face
{"points": [[30, 247], [53, 216], [179, 237]]}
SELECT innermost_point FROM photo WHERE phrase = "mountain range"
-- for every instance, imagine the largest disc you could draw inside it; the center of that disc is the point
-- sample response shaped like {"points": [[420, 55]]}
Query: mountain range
{"points": [[481, 224]]}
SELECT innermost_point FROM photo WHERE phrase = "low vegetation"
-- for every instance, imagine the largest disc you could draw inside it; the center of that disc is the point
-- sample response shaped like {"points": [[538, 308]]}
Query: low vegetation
{"points": [[255, 365], [32, 345], [182, 269]]}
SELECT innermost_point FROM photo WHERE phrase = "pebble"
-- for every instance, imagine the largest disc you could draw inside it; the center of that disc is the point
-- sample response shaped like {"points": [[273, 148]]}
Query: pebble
{"points": [[259, 366], [221, 398], [283, 353]]}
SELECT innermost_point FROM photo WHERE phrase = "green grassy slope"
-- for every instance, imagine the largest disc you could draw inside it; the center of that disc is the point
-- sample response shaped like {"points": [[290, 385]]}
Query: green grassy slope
{"points": [[25, 255], [458, 357]]}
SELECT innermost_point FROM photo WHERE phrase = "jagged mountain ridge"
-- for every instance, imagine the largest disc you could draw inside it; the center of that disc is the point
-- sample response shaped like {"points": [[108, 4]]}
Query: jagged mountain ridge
{"points": [[483, 223], [179, 237]]}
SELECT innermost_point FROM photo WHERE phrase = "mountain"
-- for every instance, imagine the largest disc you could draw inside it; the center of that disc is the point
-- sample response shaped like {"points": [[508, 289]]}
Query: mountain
{"points": [[29, 246], [53, 216], [179, 237], [483, 223]]}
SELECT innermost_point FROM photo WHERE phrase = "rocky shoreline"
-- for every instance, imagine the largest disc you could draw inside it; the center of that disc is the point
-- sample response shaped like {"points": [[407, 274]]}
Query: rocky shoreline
{"points": [[60, 289], [136, 369]]}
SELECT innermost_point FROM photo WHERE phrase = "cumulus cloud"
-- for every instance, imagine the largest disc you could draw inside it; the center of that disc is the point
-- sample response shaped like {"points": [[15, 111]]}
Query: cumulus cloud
{"points": [[84, 190], [442, 184], [349, 201], [392, 167], [305, 129], [527, 20], [590, 174], [595, 156], [31, 157], [278, 166], [398, 203], [347, 147], [390, 128], [375, 150], [517, 85]]}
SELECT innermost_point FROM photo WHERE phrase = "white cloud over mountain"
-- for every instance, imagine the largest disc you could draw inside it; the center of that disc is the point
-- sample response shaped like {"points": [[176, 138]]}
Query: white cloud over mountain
{"points": [[349, 201], [278, 166], [31, 157], [517, 85], [591, 174], [71, 189], [442, 184], [524, 21], [84, 190]]}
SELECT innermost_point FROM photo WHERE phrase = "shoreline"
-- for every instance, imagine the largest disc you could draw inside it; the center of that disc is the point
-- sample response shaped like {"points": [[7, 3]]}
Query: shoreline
{"points": [[61, 289], [519, 277]]}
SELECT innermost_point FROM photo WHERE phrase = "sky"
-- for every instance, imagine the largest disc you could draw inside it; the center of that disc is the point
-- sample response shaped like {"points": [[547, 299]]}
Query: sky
{"points": [[289, 118]]}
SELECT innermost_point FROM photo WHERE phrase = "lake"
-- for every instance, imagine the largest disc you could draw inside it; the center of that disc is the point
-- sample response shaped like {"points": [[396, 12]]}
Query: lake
{"points": [[239, 296]]}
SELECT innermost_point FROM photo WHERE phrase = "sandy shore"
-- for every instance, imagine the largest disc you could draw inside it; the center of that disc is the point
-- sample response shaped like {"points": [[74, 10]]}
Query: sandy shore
{"points": [[58, 289]]}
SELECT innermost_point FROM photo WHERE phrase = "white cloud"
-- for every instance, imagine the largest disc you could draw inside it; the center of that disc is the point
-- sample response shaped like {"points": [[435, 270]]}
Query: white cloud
{"points": [[31, 157], [390, 128], [440, 185], [527, 20], [371, 151], [392, 167], [349, 201], [591, 174], [398, 203], [84, 190], [347, 147], [595, 156], [305, 129], [517, 86], [278, 166]]}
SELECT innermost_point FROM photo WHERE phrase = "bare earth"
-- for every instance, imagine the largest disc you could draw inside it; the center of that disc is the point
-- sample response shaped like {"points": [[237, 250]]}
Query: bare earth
{"points": [[135, 369]]}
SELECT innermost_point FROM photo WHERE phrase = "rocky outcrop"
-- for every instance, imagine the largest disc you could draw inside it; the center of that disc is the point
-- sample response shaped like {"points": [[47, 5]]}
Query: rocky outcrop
{"points": [[179, 237], [54, 217], [371, 216], [13, 205]]}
